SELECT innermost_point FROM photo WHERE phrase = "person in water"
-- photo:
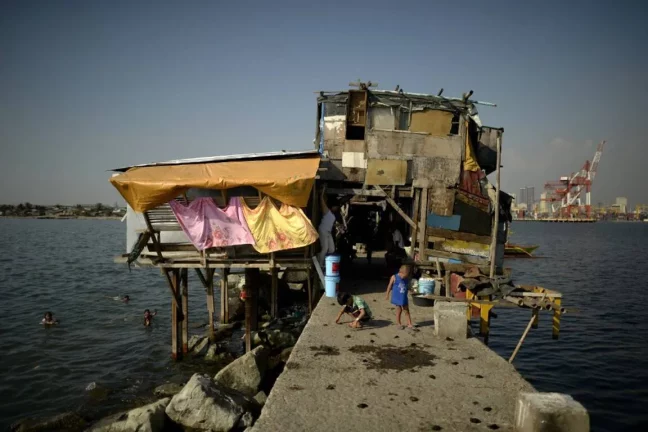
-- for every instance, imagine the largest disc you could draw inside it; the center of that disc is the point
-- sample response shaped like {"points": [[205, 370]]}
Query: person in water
{"points": [[148, 317], [354, 306], [48, 319], [124, 299], [399, 286]]}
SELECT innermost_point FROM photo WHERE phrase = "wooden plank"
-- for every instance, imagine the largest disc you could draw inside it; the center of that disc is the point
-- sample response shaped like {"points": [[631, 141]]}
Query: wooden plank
{"points": [[422, 240], [463, 258], [458, 235], [464, 247], [386, 172], [185, 310], [444, 222], [493, 247], [396, 207]]}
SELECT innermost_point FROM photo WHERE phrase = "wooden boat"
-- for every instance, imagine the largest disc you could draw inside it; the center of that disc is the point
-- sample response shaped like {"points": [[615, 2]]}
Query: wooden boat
{"points": [[519, 250]]}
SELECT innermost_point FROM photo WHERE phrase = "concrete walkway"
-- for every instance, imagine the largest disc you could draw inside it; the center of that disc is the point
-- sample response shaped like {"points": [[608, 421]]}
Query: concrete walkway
{"points": [[383, 378]]}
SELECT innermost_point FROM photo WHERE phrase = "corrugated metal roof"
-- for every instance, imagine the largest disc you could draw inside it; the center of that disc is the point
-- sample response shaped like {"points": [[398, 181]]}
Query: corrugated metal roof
{"points": [[209, 159]]}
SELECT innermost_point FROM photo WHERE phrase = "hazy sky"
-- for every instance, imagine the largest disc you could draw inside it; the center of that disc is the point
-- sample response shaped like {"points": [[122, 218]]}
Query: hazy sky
{"points": [[86, 86]]}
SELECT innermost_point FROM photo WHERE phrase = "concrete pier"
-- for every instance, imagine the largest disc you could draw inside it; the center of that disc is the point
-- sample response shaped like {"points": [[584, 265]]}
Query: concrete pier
{"points": [[384, 378]]}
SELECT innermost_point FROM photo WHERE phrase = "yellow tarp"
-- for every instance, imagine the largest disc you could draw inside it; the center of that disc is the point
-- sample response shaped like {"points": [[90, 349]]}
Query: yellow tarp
{"points": [[287, 180]]}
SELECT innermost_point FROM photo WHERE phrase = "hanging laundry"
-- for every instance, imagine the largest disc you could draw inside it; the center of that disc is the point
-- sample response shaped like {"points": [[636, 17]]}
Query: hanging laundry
{"points": [[278, 229], [207, 226]]}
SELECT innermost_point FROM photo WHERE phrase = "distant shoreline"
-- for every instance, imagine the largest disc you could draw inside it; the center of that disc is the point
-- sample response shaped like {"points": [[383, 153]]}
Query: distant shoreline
{"points": [[64, 217]]}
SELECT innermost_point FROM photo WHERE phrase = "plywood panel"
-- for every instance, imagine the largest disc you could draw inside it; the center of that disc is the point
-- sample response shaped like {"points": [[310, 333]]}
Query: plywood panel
{"points": [[434, 122], [354, 160], [386, 172], [384, 143]]}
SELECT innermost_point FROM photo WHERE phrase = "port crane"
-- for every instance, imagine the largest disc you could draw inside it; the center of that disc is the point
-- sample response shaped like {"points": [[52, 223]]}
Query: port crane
{"points": [[565, 195]]}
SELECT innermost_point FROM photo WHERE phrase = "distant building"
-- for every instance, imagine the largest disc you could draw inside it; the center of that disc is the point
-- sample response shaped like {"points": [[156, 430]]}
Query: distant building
{"points": [[544, 205], [622, 204], [523, 196], [527, 197]]}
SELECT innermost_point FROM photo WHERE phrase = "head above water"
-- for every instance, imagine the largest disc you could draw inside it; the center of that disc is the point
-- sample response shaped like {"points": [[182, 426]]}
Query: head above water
{"points": [[126, 298], [147, 313], [48, 316], [344, 299]]}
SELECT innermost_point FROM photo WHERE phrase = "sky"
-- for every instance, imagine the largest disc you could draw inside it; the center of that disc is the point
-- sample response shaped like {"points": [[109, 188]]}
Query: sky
{"points": [[86, 86]]}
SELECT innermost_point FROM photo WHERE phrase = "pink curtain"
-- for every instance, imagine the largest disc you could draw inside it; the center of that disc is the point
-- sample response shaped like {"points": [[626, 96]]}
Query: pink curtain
{"points": [[207, 226]]}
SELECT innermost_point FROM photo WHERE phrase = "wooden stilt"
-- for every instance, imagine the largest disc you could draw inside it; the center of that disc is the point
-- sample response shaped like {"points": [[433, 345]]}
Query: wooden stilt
{"points": [[484, 315], [535, 313], [556, 318], [519, 344], [184, 277], [175, 278], [415, 214], [224, 312], [274, 301], [251, 290], [309, 288]]}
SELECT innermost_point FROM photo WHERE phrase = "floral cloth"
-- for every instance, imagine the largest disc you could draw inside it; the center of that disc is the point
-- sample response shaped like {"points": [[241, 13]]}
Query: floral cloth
{"points": [[276, 229], [207, 226]]}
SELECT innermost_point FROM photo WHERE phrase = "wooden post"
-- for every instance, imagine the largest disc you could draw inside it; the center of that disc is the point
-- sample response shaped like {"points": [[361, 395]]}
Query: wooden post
{"points": [[274, 301], [535, 313], [495, 229], [176, 354], [251, 289], [519, 344], [184, 277], [484, 321], [415, 215], [422, 240], [556, 318], [309, 288], [224, 309]]}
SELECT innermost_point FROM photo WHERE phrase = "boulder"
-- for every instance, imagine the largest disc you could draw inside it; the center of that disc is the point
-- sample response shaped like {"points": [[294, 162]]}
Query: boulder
{"points": [[247, 420], [207, 406], [280, 339], [212, 353], [149, 418], [193, 341], [223, 331], [68, 422], [245, 373], [201, 347], [167, 390], [261, 398]]}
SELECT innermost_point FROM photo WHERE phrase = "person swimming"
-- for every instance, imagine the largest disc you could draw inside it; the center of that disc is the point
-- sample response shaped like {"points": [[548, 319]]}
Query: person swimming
{"points": [[48, 319], [124, 299], [148, 317]]}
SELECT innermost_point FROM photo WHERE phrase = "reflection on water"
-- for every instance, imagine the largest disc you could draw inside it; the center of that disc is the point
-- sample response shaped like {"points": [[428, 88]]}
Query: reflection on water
{"points": [[66, 267]]}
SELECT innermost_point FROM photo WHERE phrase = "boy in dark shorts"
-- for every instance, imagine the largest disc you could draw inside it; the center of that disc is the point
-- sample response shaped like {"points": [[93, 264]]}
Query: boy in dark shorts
{"points": [[354, 306]]}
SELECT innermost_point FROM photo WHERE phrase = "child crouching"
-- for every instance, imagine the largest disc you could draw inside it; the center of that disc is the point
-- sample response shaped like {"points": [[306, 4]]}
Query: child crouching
{"points": [[354, 306]]}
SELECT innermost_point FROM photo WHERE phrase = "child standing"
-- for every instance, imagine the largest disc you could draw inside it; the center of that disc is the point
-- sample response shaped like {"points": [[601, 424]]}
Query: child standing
{"points": [[399, 286]]}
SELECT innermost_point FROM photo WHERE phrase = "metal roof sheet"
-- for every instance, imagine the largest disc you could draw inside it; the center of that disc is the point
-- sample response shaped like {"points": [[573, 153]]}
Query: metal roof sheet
{"points": [[210, 159]]}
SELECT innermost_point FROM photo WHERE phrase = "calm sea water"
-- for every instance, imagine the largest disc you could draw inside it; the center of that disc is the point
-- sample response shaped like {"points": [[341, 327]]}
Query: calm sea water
{"points": [[66, 267]]}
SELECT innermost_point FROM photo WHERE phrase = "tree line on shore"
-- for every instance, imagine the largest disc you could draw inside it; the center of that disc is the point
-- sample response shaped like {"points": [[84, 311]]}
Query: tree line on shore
{"points": [[34, 210]]}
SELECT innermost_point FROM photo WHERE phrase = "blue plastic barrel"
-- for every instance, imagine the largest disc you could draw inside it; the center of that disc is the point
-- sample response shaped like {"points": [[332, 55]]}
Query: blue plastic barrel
{"points": [[331, 285], [426, 285], [332, 265]]}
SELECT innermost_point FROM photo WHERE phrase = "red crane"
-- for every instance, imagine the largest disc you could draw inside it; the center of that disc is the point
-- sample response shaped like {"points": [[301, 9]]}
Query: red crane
{"points": [[564, 196]]}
